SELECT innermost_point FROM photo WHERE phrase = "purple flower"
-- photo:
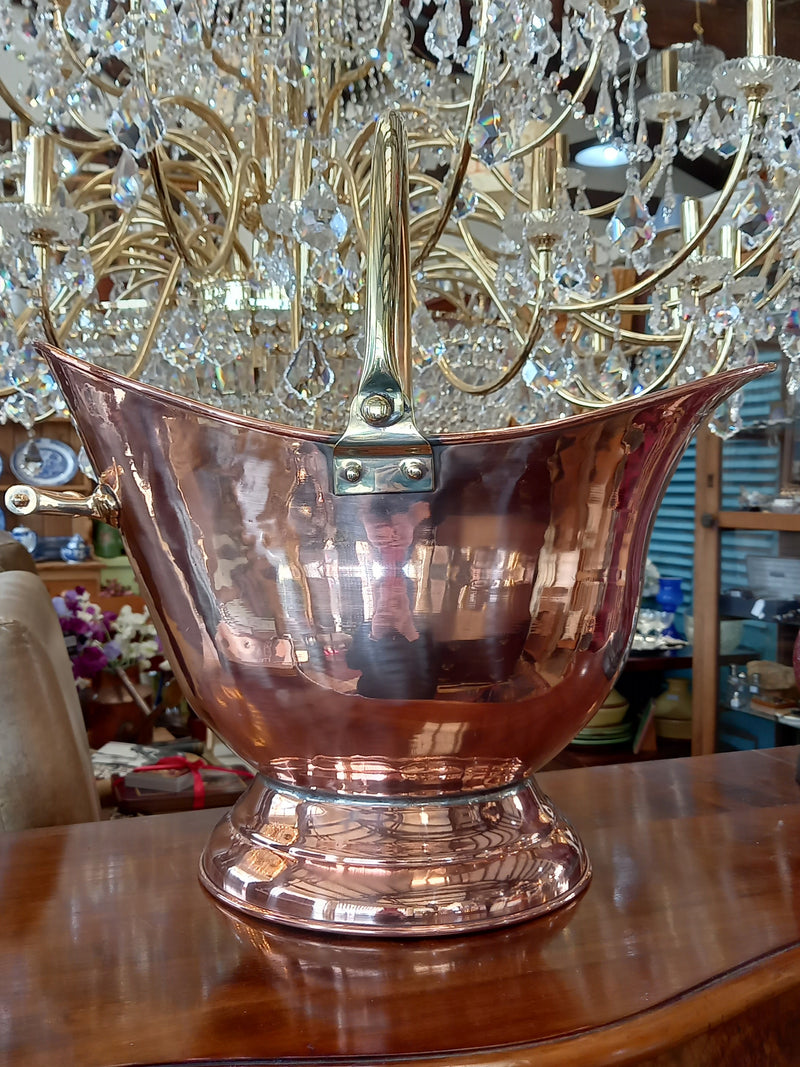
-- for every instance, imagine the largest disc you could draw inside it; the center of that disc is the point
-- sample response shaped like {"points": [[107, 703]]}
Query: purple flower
{"points": [[72, 598], [61, 606], [73, 625], [98, 631], [89, 662], [112, 651]]}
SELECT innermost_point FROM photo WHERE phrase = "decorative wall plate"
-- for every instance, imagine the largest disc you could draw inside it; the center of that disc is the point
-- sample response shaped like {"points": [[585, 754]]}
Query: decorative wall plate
{"points": [[44, 461]]}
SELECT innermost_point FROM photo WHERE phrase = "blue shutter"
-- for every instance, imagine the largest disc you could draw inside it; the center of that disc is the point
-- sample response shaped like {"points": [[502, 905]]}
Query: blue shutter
{"points": [[747, 461], [672, 541]]}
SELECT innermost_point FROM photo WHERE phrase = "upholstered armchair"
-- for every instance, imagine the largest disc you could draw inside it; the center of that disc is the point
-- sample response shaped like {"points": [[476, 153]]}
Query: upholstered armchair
{"points": [[45, 768]]}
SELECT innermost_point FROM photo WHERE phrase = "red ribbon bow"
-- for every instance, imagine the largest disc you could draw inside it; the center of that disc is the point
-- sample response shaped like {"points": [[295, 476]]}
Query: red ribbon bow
{"points": [[170, 763]]}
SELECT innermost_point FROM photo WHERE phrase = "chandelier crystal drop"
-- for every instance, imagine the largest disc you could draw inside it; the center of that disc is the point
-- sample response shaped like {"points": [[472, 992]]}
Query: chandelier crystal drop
{"points": [[186, 201]]}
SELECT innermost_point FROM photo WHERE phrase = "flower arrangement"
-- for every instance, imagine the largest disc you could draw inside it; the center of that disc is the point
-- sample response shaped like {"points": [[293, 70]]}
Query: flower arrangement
{"points": [[100, 640]]}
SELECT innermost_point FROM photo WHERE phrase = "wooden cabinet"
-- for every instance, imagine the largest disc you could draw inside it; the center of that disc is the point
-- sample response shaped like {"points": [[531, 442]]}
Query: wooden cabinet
{"points": [[711, 521]]}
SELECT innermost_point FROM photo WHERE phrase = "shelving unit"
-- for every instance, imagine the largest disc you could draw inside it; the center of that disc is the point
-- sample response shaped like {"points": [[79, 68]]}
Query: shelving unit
{"points": [[57, 576], [710, 522]]}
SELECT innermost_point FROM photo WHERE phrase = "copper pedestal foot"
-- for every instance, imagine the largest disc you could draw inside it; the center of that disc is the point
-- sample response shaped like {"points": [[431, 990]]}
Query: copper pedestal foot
{"points": [[404, 867]]}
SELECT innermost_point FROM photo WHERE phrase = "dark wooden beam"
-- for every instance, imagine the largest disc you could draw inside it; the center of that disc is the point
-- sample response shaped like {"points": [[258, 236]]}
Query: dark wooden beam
{"points": [[724, 24]]}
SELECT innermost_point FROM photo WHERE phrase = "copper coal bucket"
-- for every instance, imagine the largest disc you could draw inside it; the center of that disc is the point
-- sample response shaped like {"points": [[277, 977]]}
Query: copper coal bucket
{"points": [[396, 632]]}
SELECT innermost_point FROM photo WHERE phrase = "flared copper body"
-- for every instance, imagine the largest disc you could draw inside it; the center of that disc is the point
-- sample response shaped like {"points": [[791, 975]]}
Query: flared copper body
{"points": [[396, 666]]}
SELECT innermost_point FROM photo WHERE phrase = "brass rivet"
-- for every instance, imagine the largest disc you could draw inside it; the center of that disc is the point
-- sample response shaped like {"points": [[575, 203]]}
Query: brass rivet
{"points": [[377, 409], [20, 499], [413, 469], [351, 472]]}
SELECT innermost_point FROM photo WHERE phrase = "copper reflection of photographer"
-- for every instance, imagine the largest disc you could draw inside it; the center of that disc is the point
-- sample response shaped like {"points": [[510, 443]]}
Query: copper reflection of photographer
{"points": [[396, 657]]}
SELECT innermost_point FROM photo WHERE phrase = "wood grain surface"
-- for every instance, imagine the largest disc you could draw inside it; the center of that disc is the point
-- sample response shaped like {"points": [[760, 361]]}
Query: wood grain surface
{"points": [[685, 949]]}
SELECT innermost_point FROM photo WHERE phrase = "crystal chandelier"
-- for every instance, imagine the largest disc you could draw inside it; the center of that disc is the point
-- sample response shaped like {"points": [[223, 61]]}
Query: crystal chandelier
{"points": [[186, 197]]}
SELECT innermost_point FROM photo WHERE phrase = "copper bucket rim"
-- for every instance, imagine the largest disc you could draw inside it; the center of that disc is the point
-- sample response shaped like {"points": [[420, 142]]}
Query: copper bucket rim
{"points": [[501, 433]]}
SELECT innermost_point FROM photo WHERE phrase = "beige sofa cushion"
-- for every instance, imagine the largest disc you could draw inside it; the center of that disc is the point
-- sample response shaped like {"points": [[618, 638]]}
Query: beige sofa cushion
{"points": [[45, 768]]}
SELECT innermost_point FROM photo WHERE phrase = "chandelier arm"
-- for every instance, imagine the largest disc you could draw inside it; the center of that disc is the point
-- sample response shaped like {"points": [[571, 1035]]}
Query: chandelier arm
{"points": [[629, 336], [442, 267], [100, 269], [771, 241], [457, 105], [458, 169], [777, 288], [477, 255], [578, 96], [723, 351], [727, 191], [354, 152], [485, 390], [17, 108], [603, 210], [98, 146], [207, 115], [675, 361], [146, 345], [75, 59], [349, 77], [98, 143], [592, 212], [235, 72], [155, 276], [48, 326], [211, 160], [355, 200], [244, 164]]}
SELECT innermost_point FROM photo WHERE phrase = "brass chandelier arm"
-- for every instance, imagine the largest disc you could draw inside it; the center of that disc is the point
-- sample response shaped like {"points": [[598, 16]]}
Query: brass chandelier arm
{"points": [[516, 366], [632, 337], [350, 182], [16, 107], [164, 295], [723, 351], [603, 400], [592, 66], [207, 115], [98, 144], [458, 169], [244, 164], [79, 303], [206, 161], [603, 210], [446, 271], [458, 105], [355, 149], [75, 59], [768, 245], [342, 82], [666, 268]]}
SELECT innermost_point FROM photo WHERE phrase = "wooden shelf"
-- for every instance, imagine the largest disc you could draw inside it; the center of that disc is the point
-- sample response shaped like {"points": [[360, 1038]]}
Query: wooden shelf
{"points": [[12, 435], [758, 520], [60, 576]]}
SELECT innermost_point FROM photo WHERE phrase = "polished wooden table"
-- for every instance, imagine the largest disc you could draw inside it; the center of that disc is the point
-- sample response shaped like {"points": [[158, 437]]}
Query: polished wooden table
{"points": [[685, 949]]}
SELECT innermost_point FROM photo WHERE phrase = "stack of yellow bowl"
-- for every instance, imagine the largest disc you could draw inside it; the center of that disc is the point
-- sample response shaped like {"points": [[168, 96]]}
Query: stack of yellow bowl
{"points": [[608, 726]]}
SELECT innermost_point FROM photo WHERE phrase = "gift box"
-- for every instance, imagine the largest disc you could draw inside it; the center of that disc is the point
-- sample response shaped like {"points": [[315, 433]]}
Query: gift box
{"points": [[178, 784]]}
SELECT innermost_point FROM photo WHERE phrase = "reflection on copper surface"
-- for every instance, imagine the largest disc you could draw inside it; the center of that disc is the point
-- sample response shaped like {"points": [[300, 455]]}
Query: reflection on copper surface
{"points": [[403, 645]]}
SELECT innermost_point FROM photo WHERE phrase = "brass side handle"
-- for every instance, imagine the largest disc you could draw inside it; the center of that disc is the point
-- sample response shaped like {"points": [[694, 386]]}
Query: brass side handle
{"points": [[102, 504]]}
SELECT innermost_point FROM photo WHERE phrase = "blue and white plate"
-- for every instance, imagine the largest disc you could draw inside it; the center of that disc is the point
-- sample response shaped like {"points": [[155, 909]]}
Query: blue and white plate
{"points": [[44, 461]]}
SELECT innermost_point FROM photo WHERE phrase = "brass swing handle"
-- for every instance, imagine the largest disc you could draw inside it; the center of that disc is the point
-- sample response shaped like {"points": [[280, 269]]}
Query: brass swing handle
{"points": [[102, 504], [382, 451]]}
